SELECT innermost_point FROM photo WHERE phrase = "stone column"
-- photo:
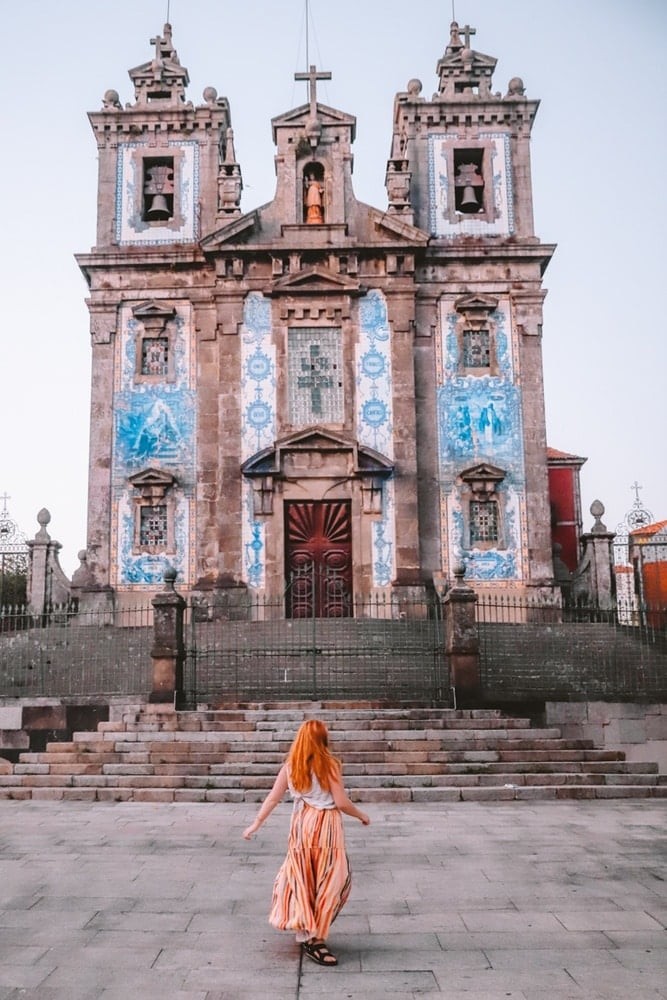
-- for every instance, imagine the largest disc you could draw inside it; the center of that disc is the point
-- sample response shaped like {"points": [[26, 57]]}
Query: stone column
{"points": [[461, 641], [168, 652]]}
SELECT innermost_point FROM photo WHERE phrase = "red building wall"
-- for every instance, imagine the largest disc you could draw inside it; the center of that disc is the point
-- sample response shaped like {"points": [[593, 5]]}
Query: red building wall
{"points": [[565, 500]]}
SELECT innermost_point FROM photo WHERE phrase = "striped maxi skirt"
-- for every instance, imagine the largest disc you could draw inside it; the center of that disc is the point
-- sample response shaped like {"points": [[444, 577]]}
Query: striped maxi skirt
{"points": [[314, 881]]}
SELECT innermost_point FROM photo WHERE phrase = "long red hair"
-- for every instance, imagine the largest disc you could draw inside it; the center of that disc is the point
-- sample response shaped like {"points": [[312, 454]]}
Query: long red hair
{"points": [[310, 754]]}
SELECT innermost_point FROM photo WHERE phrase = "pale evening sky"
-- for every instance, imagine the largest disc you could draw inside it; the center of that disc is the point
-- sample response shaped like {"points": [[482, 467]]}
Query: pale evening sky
{"points": [[598, 175]]}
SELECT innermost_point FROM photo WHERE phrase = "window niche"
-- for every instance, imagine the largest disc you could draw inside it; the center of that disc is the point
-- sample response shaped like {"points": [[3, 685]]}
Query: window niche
{"points": [[155, 342], [476, 335], [158, 189], [470, 185], [160, 198], [313, 194], [154, 510], [483, 507]]}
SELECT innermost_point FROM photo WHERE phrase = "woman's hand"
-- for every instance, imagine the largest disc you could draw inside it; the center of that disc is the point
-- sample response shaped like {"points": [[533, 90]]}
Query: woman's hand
{"points": [[249, 830], [364, 818]]}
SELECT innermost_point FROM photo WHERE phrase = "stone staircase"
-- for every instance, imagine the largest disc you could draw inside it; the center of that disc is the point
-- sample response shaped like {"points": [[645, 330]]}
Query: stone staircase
{"points": [[389, 755]]}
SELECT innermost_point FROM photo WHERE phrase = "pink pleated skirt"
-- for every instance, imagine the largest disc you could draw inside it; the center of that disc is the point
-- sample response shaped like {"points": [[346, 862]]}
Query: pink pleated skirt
{"points": [[314, 881]]}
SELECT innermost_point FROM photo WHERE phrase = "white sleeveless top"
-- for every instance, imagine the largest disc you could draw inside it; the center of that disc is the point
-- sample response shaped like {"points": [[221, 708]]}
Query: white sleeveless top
{"points": [[316, 796]]}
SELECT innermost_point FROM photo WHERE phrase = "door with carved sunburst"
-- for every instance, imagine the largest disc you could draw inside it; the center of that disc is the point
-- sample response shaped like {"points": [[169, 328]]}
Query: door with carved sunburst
{"points": [[318, 559]]}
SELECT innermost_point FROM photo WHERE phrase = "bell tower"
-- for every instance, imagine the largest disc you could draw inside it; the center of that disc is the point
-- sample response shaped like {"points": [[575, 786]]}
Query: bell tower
{"points": [[314, 163], [464, 160], [167, 174]]}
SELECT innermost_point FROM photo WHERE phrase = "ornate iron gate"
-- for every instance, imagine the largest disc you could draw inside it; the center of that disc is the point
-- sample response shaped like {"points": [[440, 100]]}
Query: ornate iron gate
{"points": [[382, 648]]}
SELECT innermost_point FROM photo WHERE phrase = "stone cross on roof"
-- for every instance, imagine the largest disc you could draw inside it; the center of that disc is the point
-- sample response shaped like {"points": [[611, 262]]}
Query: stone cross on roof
{"points": [[313, 76], [467, 32], [164, 48]]}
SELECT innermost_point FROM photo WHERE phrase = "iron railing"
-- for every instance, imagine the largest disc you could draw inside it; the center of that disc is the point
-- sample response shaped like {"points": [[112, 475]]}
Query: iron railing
{"points": [[65, 652], [389, 649], [536, 650]]}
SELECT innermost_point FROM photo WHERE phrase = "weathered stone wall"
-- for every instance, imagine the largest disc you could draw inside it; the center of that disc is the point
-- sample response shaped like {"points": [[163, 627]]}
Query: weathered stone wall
{"points": [[639, 730], [28, 724]]}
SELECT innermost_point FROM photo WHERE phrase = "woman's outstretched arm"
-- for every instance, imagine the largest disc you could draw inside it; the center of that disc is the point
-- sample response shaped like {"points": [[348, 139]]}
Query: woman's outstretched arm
{"points": [[344, 802], [270, 802]]}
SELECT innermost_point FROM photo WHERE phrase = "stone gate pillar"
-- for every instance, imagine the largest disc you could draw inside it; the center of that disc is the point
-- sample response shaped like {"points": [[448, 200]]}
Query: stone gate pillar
{"points": [[461, 641], [594, 578], [168, 652], [47, 583]]}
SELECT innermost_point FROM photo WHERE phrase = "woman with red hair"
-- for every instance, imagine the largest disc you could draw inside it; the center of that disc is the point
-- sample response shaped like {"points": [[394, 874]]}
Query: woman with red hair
{"points": [[313, 883]]}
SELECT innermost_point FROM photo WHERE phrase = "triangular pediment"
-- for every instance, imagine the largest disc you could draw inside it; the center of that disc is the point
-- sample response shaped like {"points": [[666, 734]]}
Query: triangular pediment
{"points": [[325, 115], [152, 477], [484, 471], [153, 309], [241, 227], [476, 303], [269, 461], [316, 279], [469, 60]]}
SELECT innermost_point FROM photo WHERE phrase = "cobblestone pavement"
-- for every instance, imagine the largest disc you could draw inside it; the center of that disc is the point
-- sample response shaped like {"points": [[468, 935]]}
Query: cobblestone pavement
{"points": [[527, 901]]}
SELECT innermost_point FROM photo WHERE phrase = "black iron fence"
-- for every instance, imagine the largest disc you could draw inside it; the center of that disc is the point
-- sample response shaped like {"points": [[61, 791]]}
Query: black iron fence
{"points": [[387, 649], [382, 648], [66, 652], [536, 650]]}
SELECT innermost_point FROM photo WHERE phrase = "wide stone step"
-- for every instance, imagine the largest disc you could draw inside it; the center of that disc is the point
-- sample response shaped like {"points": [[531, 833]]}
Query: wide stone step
{"points": [[146, 778], [120, 793], [408, 753]]}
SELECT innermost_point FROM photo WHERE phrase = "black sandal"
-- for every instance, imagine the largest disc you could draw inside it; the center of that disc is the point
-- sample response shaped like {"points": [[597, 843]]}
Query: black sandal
{"points": [[318, 952]]}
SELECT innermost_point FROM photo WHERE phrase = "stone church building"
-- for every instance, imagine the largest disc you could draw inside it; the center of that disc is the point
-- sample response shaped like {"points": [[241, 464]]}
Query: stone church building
{"points": [[317, 397]]}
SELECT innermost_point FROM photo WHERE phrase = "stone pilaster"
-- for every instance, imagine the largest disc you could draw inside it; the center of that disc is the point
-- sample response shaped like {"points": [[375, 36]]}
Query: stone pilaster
{"points": [[461, 642], [168, 652]]}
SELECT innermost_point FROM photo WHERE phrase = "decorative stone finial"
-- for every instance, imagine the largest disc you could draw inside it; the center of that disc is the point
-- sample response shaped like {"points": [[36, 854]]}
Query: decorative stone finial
{"points": [[230, 152], [454, 37], [597, 510], [459, 573], [210, 95], [515, 87], [110, 100], [169, 577]]}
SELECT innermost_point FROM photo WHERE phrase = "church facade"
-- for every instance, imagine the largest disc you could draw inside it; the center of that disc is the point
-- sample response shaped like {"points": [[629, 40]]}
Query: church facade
{"points": [[317, 398]]}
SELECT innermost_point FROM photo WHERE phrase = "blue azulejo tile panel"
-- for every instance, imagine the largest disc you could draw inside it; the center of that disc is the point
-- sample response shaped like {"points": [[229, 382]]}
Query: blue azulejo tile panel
{"points": [[147, 569], [258, 377], [374, 416], [154, 427], [254, 543], [383, 540], [486, 565], [444, 222], [499, 324], [479, 419], [258, 429], [373, 375], [131, 227]]}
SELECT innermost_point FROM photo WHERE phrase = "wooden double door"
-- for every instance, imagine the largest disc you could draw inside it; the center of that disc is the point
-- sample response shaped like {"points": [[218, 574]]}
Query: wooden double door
{"points": [[318, 559]]}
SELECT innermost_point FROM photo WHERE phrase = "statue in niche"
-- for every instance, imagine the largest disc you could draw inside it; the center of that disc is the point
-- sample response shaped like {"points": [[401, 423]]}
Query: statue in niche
{"points": [[313, 192]]}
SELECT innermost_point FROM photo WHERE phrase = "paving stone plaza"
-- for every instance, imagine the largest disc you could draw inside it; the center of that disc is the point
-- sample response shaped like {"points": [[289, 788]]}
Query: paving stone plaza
{"points": [[477, 901]]}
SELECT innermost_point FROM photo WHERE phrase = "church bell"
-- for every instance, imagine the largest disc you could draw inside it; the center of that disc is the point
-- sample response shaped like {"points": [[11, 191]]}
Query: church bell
{"points": [[469, 197], [159, 208]]}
